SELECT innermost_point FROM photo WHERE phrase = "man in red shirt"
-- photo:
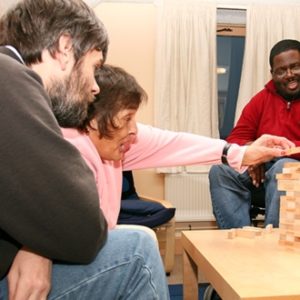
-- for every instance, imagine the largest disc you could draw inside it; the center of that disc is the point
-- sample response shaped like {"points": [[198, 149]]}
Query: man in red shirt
{"points": [[274, 110]]}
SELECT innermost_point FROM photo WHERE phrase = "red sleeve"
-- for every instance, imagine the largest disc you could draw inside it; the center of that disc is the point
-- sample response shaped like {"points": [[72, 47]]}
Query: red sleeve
{"points": [[246, 129]]}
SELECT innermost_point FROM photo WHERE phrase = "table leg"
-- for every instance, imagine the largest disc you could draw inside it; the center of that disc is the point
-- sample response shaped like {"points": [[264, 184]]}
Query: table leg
{"points": [[190, 278]]}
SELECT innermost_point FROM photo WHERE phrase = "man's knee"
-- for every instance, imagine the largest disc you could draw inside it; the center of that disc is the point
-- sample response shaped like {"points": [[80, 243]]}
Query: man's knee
{"points": [[220, 174], [215, 172], [148, 230], [136, 238]]}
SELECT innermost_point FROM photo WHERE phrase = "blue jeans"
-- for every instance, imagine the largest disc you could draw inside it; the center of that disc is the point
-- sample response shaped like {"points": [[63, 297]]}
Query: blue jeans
{"points": [[231, 194], [128, 267]]}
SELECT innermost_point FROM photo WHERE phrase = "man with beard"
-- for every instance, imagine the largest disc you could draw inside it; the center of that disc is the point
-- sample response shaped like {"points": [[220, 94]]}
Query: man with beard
{"points": [[274, 110], [53, 236]]}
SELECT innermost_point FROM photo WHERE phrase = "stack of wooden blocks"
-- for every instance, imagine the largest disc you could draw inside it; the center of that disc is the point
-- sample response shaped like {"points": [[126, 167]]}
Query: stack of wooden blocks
{"points": [[289, 221]]}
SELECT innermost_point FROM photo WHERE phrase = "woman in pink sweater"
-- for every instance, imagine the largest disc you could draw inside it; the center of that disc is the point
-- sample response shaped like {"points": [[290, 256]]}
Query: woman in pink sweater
{"points": [[111, 141]]}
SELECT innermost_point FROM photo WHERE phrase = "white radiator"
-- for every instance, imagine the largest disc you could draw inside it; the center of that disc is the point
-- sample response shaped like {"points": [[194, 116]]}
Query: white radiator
{"points": [[189, 193]]}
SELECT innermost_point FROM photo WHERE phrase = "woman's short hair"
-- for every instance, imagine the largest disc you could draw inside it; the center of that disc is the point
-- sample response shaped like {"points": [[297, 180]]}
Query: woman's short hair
{"points": [[118, 90]]}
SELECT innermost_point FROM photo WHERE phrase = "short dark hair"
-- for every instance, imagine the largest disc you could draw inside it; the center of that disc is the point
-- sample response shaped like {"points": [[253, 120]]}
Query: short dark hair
{"points": [[118, 90], [34, 25], [282, 46]]}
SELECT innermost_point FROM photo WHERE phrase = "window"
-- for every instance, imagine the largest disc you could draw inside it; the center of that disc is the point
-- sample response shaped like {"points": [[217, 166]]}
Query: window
{"points": [[230, 51]]}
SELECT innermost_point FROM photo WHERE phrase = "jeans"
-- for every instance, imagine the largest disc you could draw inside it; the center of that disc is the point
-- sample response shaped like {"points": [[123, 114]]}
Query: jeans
{"points": [[231, 194], [129, 266]]}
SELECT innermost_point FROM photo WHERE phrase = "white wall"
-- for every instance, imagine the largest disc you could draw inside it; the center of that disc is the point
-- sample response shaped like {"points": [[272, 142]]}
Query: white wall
{"points": [[132, 31], [5, 4]]}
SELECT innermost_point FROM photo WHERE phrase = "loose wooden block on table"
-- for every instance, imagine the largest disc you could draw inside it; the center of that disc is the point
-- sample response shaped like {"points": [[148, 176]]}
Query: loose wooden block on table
{"points": [[248, 232]]}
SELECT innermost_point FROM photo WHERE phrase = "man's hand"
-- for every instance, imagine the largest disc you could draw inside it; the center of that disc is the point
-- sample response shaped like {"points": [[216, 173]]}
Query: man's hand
{"points": [[266, 148], [257, 174], [273, 141], [29, 277]]}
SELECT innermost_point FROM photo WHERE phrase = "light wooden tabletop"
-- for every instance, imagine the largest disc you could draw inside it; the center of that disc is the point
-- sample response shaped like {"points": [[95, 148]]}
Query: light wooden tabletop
{"points": [[241, 268]]}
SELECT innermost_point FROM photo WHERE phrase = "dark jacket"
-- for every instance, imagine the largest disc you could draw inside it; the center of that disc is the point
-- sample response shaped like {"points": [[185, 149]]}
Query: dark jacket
{"points": [[48, 197]]}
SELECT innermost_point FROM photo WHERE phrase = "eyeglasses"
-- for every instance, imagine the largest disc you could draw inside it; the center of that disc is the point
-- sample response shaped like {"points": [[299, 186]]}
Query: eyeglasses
{"points": [[282, 72]]}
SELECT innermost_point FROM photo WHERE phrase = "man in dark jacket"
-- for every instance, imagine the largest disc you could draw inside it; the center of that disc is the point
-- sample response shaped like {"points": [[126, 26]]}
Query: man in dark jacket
{"points": [[274, 110], [51, 227]]}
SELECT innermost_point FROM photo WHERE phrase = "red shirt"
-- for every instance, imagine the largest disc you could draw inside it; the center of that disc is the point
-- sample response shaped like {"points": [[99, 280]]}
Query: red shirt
{"points": [[268, 113]]}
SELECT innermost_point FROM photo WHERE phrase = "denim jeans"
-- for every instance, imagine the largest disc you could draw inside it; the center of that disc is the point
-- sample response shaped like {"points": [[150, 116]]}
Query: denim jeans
{"points": [[128, 267], [231, 194]]}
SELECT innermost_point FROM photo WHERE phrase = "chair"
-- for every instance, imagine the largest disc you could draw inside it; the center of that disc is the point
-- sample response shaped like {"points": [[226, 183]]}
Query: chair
{"points": [[154, 213]]}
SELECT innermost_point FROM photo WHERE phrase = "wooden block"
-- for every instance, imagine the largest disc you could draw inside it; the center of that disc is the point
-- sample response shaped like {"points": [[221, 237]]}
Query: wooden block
{"points": [[283, 220], [250, 234], [285, 210], [290, 170], [293, 150], [290, 238], [256, 230], [289, 185], [286, 218], [293, 193], [289, 205], [287, 238], [289, 223], [293, 164], [290, 227], [269, 228], [285, 226], [231, 234], [288, 201], [289, 246], [295, 174], [286, 243], [251, 228]]}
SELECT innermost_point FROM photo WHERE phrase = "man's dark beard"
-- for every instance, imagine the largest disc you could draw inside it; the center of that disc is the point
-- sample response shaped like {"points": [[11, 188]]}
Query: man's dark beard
{"points": [[286, 96], [70, 100], [289, 97], [69, 115]]}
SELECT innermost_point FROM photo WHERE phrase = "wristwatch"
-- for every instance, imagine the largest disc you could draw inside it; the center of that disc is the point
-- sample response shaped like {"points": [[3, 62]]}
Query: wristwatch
{"points": [[225, 153]]}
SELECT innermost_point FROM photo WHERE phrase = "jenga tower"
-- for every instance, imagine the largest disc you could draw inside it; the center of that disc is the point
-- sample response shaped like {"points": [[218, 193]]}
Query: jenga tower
{"points": [[289, 222]]}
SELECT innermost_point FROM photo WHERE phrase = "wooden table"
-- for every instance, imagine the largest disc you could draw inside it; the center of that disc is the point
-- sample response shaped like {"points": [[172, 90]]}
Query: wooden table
{"points": [[240, 268]]}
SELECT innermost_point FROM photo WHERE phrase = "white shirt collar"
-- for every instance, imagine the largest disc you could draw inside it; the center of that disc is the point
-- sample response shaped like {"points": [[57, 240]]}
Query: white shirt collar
{"points": [[16, 52]]}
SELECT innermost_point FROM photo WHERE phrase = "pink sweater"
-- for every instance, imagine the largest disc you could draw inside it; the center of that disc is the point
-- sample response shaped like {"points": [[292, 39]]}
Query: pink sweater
{"points": [[153, 148]]}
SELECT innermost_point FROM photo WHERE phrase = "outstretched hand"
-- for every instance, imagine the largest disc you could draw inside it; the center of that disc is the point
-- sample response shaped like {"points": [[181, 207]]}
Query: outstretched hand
{"points": [[266, 148]]}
